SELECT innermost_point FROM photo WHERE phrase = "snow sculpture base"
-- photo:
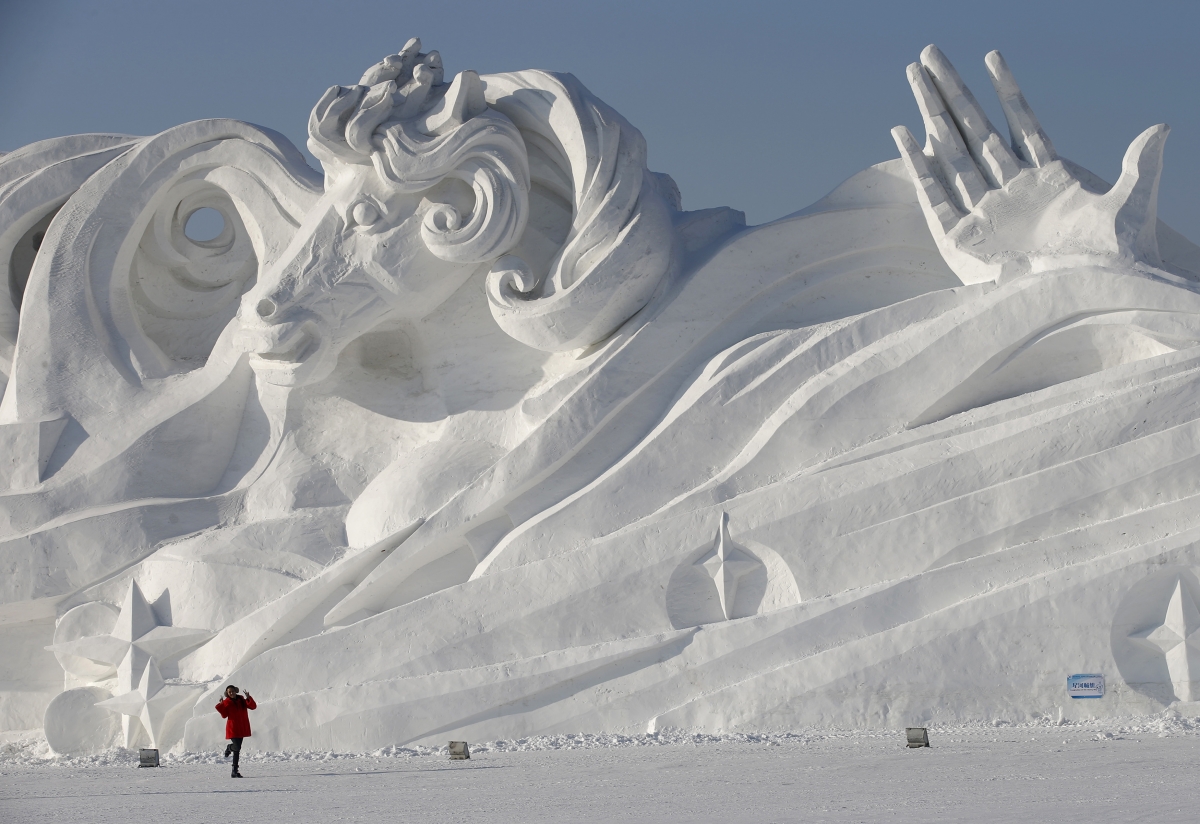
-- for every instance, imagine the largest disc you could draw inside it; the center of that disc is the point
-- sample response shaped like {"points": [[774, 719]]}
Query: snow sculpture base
{"points": [[479, 434]]}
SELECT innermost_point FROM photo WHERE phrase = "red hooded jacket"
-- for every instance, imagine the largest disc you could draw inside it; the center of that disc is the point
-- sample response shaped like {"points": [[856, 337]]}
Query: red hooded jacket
{"points": [[234, 709]]}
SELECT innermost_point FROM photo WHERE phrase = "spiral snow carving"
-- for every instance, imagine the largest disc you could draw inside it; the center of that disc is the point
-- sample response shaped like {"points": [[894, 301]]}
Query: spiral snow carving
{"points": [[415, 139], [620, 244]]}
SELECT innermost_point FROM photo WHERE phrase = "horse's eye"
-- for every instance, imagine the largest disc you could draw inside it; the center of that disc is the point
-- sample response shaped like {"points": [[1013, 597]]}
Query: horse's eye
{"points": [[364, 213]]}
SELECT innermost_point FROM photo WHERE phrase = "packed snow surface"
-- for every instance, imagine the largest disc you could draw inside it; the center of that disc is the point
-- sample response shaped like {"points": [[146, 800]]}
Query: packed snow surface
{"points": [[1137, 770]]}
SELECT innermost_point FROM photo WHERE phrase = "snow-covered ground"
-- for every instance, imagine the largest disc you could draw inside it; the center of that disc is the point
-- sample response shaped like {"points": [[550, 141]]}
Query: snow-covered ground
{"points": [[1137, 770]]}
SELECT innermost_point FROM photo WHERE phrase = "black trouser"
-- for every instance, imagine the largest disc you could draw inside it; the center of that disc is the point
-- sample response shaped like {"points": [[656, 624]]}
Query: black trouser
{"points": [[235, 746]]}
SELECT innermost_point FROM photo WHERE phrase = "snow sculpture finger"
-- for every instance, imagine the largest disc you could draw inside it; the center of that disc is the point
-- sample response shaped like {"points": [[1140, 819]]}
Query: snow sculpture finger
{"points": [[944, 141], [995, 160], [1029, 141], [930, 192]]}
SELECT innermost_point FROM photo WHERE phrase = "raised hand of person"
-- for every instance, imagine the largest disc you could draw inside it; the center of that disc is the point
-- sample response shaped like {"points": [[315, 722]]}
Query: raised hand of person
{"points": [[1000, 210]]}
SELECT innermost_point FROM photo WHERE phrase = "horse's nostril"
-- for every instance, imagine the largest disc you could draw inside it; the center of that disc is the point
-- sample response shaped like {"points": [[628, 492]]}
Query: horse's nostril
{"points": [[266, 308]]}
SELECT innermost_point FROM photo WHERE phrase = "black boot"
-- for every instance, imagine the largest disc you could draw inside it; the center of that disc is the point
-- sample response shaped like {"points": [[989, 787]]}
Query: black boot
{"points": [[235, 774], [228, 750]]}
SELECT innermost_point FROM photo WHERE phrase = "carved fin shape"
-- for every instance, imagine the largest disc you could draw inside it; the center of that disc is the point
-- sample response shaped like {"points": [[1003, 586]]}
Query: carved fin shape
{"points": [[462, 101], [324, 124], [1135, 194], [375, 108]]}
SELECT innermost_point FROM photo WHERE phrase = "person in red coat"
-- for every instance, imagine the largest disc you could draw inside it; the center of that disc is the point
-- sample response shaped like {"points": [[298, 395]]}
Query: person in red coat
{"points": [[237, 722]]}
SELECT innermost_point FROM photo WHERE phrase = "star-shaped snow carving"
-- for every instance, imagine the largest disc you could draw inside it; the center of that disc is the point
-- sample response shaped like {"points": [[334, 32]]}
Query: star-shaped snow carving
{"points": [[136, 638], [151, 702], [726, 565], [1178, 637], [136, 646]]}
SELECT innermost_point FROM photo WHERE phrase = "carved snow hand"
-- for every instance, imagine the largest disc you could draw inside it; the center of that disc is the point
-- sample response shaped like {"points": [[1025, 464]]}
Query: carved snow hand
{"points": [[1000, 211]]}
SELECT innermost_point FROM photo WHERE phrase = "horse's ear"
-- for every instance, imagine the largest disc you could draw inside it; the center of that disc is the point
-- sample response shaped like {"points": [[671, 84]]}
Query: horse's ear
{"points": [[462, 101], [620, 242]]}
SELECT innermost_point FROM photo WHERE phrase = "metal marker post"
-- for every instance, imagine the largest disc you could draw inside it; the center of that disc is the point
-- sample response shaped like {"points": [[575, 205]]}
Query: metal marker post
{"points": [[917, 736]]}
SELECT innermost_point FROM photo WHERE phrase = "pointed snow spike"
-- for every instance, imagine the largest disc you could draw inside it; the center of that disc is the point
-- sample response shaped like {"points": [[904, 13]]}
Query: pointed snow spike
{"points": [[131, 668], [152, 680], [152, 711], [462, 101], [103, 649], [136, 618], [169, 643], [1182, 617], [129, 703], [726, 564], [1135, 195]]}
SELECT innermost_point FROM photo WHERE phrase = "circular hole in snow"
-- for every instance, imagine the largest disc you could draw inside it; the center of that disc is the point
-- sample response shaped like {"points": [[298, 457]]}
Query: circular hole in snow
{"points": [[204, 225]]}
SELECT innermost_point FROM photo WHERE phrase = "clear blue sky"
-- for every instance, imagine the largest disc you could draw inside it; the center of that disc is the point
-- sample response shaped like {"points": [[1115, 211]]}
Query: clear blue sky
{"points": [[764, 106]]}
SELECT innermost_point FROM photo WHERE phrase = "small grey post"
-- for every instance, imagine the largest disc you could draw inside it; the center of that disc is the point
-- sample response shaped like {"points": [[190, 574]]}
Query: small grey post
{"points": [[459, 751], [917, 736], [147, 758]]}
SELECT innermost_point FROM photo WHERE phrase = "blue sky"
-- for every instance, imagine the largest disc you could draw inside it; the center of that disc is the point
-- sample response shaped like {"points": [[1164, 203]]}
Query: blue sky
{"points": [[764, 106]]}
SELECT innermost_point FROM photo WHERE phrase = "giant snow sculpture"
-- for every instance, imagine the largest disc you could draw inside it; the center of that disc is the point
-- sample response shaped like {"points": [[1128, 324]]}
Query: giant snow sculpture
{"points": [[479, 434]]}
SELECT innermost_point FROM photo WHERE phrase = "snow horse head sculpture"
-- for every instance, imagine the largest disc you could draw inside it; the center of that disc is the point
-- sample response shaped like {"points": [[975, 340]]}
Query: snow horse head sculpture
{"points": [[425, 182]]}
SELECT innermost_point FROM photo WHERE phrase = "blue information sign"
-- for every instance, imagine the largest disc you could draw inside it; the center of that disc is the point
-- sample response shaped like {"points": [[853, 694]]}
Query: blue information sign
{"points": [[1085, 686]]}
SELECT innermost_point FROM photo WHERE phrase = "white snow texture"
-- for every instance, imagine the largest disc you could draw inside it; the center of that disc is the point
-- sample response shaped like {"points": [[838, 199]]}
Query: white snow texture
{"points": [[479, 435]]}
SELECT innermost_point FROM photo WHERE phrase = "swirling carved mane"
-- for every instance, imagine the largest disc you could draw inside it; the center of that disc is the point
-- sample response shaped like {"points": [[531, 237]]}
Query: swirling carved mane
{"points": [[618, 241]]}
